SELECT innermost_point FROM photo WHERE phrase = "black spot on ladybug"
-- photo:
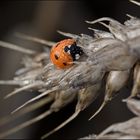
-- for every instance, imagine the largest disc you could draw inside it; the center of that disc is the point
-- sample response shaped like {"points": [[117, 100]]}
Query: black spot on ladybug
{"points": [[66, 49], [56, 57], [64, 64]]}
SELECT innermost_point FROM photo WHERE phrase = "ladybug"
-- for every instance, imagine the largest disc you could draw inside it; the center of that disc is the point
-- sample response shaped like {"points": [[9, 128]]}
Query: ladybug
{"points": [[64, 53]]}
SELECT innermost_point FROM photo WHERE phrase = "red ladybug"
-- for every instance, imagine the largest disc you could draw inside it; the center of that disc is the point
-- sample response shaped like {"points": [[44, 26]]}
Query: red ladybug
{"points": [[64, 53]]}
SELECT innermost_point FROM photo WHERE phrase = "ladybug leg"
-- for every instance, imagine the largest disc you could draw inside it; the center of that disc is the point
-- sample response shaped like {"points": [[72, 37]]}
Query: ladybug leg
{"points": [[115, 81]]}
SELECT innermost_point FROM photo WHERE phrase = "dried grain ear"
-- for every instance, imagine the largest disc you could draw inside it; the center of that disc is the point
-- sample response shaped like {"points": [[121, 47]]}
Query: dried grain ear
{"points": [[115, 56], [87, 96], [115, 81], [134, 106], [136, 80], [131, 127], [63, 98]]}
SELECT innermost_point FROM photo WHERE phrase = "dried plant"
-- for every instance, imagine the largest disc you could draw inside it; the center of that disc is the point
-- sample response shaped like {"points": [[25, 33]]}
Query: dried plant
{"points": [[115, 53], [129, 129]]}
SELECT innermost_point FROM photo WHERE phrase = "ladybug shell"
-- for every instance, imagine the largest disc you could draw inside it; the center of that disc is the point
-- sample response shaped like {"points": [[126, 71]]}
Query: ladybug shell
{"points": [[59, 57]]}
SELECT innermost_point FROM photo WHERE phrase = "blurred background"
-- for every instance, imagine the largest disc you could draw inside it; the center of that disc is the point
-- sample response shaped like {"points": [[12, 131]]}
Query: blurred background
{"points": [[42, 19]]}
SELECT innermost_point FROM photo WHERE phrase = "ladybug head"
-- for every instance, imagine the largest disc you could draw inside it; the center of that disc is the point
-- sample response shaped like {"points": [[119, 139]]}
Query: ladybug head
{"points": [[74, 50]]}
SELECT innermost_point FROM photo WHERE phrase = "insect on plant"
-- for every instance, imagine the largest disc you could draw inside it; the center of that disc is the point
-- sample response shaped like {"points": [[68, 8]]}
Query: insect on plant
{"points": [[76, 70]]}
